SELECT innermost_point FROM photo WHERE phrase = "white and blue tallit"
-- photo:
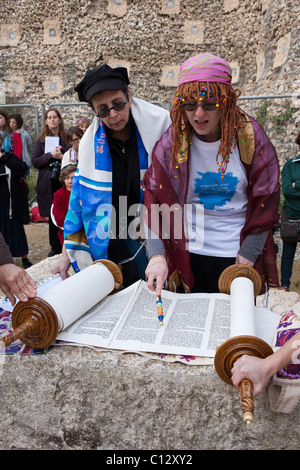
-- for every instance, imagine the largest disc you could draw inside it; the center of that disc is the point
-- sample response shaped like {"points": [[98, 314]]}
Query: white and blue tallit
{"points": [[87, 223]]}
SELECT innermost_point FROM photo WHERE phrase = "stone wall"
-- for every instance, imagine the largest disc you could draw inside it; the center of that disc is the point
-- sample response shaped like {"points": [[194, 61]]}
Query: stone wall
{"points": [[46, 46]]}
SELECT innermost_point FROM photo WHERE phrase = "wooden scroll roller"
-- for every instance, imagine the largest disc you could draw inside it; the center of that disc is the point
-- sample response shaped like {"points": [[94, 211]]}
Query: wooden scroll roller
{"points": [[38, 321], [242, 283]]}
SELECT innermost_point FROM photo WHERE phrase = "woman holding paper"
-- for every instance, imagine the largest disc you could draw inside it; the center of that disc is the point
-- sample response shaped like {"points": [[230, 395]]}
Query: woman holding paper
{"points": [[47, 153], [212, 191]]}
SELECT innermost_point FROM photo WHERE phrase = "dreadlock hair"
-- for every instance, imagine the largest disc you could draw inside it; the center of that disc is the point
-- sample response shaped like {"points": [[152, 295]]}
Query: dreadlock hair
{"points": [[231, 119]]}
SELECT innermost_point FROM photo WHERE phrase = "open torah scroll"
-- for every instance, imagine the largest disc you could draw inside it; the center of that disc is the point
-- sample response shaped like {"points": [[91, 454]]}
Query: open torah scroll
{"points": [[194, 324], [85, 311]]}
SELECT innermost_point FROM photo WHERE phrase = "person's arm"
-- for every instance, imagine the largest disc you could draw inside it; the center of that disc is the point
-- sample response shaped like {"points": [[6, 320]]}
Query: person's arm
{"points": [[14, 281], [28, 142], [39, 158], [290, 188], [157, 268], [63, 264], [251, 248], [17, 166], [260, 371], [59, 211]]}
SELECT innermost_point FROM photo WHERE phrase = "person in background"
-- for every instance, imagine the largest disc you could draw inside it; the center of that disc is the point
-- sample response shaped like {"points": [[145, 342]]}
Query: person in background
{"points": [[74, 135], [61, 198], [12, 140], [48, 165], [16, 123], [14, 281], [216, 165], [13, 204], [290, 184], [114, 153], [83, 123]]}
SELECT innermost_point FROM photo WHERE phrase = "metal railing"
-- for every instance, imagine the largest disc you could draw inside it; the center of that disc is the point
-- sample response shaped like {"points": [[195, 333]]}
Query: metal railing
{"points": [[275, 113], [23, 105]]}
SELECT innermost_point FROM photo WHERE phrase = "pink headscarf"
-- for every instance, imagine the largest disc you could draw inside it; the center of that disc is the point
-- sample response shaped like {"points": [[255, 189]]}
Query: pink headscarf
{"points": [[205, 68]]}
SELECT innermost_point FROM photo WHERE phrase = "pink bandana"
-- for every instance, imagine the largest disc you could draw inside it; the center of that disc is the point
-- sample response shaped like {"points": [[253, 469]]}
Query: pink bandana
{"points": [[205, 68]]}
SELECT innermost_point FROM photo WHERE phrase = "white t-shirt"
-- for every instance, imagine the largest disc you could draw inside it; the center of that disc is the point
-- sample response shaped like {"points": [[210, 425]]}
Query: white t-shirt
{"points": [[216, 209]]}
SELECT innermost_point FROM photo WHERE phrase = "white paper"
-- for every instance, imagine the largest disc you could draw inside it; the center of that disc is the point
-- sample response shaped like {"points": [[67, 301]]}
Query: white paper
{"points": [[51, 143]]}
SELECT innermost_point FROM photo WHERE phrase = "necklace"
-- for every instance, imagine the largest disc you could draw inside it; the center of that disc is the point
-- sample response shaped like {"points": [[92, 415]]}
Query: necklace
{"points": [[120, 146]]}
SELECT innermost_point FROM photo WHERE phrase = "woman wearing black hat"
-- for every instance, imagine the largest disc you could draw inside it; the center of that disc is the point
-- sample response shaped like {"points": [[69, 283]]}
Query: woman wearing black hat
{"points": [[115, 152]]}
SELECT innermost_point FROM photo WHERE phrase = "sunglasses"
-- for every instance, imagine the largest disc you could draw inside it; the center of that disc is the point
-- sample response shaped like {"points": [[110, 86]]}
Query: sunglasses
{"points": [[193, 105], [104, 112]]}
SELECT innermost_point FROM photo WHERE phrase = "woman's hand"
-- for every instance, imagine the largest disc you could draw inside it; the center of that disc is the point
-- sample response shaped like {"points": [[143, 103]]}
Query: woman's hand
{"points": [[62, 265], [241, 260], [157, 270], [253, 368], [56, 153], [15, 281]]}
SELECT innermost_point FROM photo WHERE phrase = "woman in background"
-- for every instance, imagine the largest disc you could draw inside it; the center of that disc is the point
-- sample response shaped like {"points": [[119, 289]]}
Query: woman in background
{"points": [[290, 183], [16, 123], [83, 123], [61, 199], [74, 135], [12, 141], [13, 204]]}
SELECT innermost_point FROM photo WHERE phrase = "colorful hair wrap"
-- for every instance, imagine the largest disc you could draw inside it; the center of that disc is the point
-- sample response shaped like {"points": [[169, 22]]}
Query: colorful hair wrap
{"points": [[205, 68]]}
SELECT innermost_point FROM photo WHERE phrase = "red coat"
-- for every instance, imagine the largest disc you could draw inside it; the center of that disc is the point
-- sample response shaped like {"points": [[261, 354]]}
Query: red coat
{"points": [[17, 145], [59, 210]]}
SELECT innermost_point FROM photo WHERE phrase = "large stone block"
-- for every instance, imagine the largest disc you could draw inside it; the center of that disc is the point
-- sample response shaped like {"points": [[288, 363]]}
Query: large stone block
{"points": [[78, 398]]}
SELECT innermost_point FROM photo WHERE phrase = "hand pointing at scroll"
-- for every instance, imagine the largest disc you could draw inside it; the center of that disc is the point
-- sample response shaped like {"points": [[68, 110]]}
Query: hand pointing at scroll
{"points": [[157, 270]]}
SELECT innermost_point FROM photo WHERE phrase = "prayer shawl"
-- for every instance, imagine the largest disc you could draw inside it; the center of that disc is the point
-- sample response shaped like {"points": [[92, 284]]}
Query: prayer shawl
{"points": [[164, 187], [87, 223], [284, 390]]}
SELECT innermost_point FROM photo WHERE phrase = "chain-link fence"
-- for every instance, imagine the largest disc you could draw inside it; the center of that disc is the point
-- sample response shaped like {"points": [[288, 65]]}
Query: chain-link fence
{"points": [[279, 115]]}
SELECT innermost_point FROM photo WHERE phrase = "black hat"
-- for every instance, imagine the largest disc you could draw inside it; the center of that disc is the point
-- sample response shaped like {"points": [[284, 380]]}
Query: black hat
{"points": [[103, 78]]}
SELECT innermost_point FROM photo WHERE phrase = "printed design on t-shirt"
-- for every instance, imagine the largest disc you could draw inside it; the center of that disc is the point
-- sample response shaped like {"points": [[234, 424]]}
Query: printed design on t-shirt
{"points": [[212, 191]]}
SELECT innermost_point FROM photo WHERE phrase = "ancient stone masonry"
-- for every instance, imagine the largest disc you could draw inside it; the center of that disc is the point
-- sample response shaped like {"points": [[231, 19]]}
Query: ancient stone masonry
{"points": [[46, 47]]}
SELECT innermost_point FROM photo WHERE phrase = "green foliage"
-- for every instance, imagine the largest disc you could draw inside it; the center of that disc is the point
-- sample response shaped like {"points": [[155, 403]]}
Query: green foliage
{"points": [[31, 180]]}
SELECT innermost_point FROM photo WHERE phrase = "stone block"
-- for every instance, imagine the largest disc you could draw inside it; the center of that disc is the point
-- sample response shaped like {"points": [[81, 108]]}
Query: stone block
{"points": [[117, 7], [170, 7], [230, 5], [282, 51], [169, 75], [193, 32], [79, 398], [51, 31], [10, 34]]}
